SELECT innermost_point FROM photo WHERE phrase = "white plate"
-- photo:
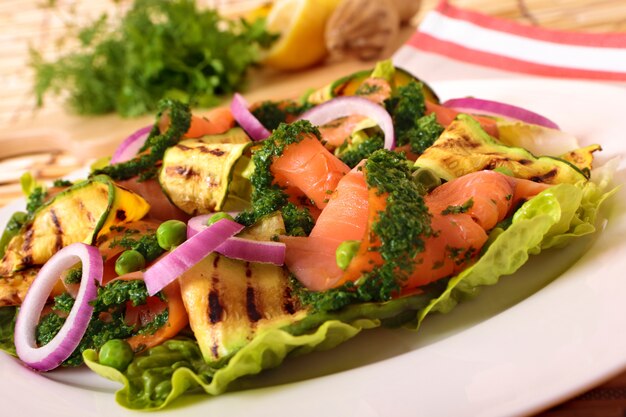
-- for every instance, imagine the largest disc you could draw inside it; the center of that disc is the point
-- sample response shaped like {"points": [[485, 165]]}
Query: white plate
{"points": [[519, 347]]}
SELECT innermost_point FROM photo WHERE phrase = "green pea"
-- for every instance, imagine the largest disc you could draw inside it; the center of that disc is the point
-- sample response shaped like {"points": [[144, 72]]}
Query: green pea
{"points": [[117, 354], [129, 261], [171, 234], [345, 252], [217, 217]]}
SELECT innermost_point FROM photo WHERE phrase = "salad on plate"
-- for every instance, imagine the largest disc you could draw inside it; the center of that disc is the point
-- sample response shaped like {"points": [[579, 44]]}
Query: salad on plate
{"points": [[211, 247]]}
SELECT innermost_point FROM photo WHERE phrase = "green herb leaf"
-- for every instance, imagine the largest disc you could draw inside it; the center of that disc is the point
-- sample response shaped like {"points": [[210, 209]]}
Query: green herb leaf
{"points": [[160, 49]]}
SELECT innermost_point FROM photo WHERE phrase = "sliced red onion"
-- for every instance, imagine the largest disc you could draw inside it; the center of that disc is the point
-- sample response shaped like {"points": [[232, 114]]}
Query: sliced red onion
{"points": [[347, 106], [245, 118], [240, 248], [198, 223], [496, 108], [129, 148], [51, 355], [189, 253]]}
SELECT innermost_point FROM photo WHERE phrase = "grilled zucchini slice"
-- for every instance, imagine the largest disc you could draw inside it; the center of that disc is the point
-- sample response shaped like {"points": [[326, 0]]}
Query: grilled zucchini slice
{"points": [[77, 214], [230, 301], [464, 147], [196, 173]]}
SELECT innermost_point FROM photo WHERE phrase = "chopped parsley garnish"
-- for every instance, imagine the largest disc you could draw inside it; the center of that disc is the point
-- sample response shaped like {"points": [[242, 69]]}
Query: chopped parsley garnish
{"points": [[177, 117], [463, 208], [108, 318], [267, 197], [366, 88], [62, 183], [35, 200], [272, 113], [73, 275], [147, 244], [401, 229], [352, 154], [407, 107]]}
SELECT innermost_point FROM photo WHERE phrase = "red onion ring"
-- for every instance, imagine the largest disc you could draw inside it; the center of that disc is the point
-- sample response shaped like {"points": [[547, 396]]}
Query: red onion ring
{"points": [[496, 108], [130, 146], [347, 106], [240, 248], [245, 118], [189, 253], [51, 355], [198, 223]]}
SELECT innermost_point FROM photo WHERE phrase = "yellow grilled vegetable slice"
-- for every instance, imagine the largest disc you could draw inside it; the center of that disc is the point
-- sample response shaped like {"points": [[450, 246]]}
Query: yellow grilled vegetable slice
{"points": [[196, 173], [464, 147], [78, 214], [230, 301], [582, 158]]}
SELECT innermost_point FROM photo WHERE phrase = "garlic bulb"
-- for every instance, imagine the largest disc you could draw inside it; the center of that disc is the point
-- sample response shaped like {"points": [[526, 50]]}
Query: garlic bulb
{"points": [[363, 28]]}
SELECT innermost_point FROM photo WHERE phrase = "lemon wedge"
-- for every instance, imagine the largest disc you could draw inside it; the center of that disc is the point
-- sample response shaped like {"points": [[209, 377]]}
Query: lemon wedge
{"points": [[301, 25]]}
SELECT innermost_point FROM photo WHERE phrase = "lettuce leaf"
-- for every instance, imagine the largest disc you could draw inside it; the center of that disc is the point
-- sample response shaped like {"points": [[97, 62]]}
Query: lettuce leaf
{"points": [[155, 379], [163, 373], [551, 219]]}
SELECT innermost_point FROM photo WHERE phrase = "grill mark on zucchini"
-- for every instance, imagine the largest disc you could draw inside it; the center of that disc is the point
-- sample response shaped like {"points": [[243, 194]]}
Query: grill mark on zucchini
{"points": [[288, 306], [545, 177], [59, 230], [120, 215], [27, 246], [89, 214], [184, 172], [216, 311], [251, 308], [216, 152]]}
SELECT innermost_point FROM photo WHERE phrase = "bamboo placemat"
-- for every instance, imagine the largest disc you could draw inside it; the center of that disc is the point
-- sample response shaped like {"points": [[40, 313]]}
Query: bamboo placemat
{"points": [[25, 23]]}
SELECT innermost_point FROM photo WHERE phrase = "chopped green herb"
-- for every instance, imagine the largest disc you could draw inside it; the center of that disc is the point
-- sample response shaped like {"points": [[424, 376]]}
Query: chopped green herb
{"points": [[160, 49], [272, 113], [73, 276], [147, 244], [463, 208], [62, 183], [146, 165], [108, 319], [63, 303], [352, 154], [35, 200], [407, 108], [267, 197]]}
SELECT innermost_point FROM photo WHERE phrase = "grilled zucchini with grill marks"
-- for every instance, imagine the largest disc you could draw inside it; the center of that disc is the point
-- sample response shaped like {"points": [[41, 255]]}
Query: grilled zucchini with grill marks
{"points": [[77, 214], [464, 147], [196, 173], [231, 301]]}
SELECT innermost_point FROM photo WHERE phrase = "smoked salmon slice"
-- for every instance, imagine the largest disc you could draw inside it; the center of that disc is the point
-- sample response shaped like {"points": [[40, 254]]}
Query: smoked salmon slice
{"points": [[309, 166], [338, 131], [345, 216], [213, 122], [462, 212], [312, 259]]}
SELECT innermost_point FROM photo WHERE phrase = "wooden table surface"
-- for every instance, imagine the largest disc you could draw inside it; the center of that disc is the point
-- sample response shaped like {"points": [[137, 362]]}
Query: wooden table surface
{"points": [[62, 142]]}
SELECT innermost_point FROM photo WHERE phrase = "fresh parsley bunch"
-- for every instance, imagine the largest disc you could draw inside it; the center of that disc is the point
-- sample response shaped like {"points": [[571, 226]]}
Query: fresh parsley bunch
{"points": [[160, 49]]}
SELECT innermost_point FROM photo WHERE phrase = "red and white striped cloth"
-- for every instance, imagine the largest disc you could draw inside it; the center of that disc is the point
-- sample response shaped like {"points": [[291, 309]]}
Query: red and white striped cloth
{"points": [[452, 42]]}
